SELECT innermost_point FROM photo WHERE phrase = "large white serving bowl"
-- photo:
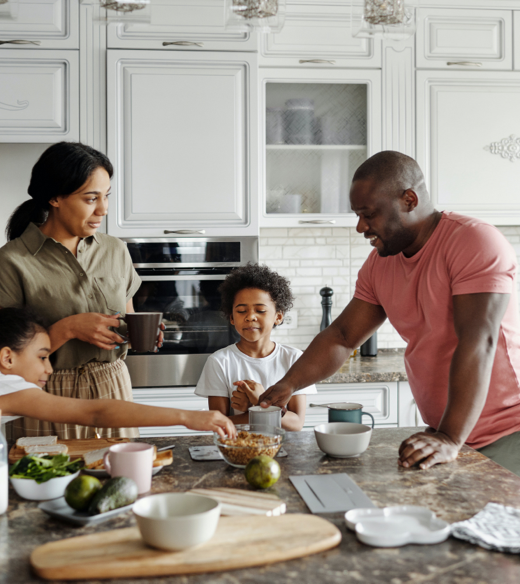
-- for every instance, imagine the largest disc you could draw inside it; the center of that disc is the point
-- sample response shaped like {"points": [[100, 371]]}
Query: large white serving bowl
{"points": [[343, 439], [51, 489], [176, 521]]}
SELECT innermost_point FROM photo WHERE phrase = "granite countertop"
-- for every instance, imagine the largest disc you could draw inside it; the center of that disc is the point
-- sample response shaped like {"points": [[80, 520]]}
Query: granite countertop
{"points": [[387, 366], [454, 491]]}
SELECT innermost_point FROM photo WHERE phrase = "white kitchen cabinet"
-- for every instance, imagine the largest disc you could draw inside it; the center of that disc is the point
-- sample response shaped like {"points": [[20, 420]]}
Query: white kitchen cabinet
{"points": [[39, 96], [187, 25], [516, 35], [408, 411], [181, 398], [379, 399], [181, 137], [464, 39], [467, 124], [318, 35], [316, 128], [50, 24]]}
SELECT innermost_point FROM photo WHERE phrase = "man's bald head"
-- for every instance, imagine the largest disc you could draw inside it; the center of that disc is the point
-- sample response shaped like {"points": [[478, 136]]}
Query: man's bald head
{"points": [[393, 172]]}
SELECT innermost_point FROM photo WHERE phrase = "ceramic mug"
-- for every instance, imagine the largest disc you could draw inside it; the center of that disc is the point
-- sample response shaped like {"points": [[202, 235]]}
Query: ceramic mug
{"points": [[143, 330], [133, 460], [271, 416], [348, 413]]}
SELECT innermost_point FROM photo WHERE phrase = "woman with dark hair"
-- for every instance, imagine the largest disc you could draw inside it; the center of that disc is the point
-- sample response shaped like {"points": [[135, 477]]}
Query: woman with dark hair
{"points": [[77, 280]]}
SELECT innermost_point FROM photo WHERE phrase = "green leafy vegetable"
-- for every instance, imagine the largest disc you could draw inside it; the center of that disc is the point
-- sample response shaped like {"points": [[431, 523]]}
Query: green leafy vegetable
{"points": [[43, 468]]}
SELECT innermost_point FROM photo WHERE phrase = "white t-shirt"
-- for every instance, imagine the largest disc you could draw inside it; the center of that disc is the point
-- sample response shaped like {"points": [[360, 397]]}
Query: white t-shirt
{"points": [[228, 365], [10, 384]]}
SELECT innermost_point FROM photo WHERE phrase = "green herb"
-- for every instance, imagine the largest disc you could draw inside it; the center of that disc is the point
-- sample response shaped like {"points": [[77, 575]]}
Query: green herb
{"points": [[43, 468]]}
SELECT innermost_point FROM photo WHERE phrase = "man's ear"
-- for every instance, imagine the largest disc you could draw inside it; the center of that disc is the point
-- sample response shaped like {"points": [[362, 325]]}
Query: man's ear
{"points": [[6, 358], [410, 200]]}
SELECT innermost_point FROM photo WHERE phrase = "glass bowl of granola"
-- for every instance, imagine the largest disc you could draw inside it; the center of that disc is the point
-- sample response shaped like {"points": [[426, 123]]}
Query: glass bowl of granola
{"points": [[252, 440]]}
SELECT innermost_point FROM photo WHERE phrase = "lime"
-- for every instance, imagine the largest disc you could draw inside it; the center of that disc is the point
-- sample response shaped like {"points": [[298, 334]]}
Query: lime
{"points": [[80, 491], [262, 471]]}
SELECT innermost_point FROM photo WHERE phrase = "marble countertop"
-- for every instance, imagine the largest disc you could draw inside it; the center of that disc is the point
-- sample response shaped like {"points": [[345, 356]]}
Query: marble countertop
{"points": [[387, 366], [454, 491]]}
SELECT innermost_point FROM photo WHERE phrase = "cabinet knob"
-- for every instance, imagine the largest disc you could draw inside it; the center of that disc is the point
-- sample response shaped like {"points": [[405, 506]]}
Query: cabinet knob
{"points": [[182, 44], [20, 42], [319, 221], [464, 64], [318, 61], [186, 231]]}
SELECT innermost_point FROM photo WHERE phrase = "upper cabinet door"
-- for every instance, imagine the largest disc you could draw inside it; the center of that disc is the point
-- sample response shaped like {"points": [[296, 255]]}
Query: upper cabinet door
{"points": [[318, 35], [182, 141], [49, 24], [185, 25], [464, 39], [39, 96], [467, 142]]}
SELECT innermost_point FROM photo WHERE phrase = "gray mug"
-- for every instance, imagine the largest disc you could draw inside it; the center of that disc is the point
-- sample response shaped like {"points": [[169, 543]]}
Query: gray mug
{"points": [[348, 413], [143, 330], [271, 416]]}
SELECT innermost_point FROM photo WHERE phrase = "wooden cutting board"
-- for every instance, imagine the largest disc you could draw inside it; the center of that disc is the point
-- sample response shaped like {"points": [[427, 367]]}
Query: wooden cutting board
{"points": [[240, 542], [77, 447], [241, 502]]}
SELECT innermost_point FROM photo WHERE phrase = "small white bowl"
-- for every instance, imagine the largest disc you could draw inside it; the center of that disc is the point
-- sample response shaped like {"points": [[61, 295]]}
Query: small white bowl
{"points": [[51, 489], [343, 439], [176, 521]]}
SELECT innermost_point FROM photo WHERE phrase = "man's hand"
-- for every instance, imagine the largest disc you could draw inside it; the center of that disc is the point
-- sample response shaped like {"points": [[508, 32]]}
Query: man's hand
{"points": [[278, 394], [427, 448], [246, 395]]}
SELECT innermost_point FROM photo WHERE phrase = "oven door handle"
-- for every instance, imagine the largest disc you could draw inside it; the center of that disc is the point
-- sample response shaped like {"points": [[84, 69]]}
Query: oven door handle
{"points": [[178, 278]]}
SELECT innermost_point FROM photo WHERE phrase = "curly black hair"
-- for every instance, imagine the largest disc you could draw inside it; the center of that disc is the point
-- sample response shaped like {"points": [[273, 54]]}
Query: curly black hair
{"points": [[256, 276]]}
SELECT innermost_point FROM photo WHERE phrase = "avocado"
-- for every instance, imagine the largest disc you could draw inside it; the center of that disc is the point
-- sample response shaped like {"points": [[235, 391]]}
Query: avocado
{"points": [[115, 493]]}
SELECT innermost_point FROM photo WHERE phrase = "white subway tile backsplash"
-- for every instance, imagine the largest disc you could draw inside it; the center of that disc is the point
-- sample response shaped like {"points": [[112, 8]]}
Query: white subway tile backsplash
{"points": [[327, 256]]}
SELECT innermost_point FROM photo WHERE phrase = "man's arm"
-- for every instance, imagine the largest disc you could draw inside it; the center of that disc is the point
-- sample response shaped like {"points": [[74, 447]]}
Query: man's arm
{"points": [[328, 351], [477, 319]]}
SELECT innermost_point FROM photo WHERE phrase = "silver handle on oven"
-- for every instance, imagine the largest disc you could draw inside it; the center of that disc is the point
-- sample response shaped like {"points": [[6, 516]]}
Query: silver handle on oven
{"points": [[182, 44], [178, 278], [464, 64], [186, 231], [319, 221], [317, 61], [20, 42]]}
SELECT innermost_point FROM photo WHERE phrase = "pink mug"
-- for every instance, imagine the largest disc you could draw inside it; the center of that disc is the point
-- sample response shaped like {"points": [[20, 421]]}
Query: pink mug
{"points": [[133, 460]]}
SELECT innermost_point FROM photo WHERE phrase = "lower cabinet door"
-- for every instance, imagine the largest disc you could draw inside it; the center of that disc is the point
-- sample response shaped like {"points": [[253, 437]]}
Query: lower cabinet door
{"points": [[39, 96], [182, 398], [408, 411]]}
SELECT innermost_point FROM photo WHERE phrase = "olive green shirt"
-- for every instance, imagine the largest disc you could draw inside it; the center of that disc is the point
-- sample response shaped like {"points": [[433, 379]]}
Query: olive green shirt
{"points": [[38, 272]]}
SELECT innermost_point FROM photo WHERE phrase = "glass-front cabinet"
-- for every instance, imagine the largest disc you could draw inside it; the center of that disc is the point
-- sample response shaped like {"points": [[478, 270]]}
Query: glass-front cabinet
{"points": [[317, 128]]}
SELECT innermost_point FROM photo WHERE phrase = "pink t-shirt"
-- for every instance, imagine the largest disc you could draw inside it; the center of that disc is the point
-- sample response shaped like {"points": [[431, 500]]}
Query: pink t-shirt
{"points": [[463, 256]]}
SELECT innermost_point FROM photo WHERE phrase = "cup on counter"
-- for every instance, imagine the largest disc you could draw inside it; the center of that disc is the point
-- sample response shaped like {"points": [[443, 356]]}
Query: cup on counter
{"points": [[143, 330], [347, 412], [271, 416], [133, 460]]}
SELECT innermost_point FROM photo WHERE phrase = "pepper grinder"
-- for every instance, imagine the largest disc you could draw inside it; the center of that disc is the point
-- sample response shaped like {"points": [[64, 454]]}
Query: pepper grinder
{"points": [[369, 347], [326, 303]]}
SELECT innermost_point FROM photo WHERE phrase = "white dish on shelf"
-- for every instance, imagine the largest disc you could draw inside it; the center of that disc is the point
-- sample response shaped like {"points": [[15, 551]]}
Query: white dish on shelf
{"points": [[397, 526], [101, 473]]}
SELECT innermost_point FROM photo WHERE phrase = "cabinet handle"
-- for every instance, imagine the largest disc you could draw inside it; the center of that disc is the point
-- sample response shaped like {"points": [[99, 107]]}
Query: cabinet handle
{"points": [[20, 42], [182, 44], [464, 63], [319, 221], [317, 61], [186, 231]]}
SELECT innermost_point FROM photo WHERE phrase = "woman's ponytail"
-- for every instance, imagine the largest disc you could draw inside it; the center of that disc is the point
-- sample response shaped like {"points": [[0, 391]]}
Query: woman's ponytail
{"points": [[28, 212]]}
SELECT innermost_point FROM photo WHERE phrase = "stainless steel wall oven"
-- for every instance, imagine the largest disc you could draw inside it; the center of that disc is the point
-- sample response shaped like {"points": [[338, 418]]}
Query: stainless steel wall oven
{"points": [[181, 277]]}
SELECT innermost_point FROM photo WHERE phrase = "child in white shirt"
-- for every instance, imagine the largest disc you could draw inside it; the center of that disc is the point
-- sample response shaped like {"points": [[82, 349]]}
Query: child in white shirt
{"points": [[255, 299]]}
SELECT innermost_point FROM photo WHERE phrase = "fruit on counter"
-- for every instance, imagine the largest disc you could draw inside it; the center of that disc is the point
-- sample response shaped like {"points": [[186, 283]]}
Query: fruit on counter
{"points": [[262, 471], [80, 491], [115, 493]]}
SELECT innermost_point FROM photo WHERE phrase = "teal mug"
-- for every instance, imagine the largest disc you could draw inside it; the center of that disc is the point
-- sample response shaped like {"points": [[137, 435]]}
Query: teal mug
{"points": [[346, 412]]}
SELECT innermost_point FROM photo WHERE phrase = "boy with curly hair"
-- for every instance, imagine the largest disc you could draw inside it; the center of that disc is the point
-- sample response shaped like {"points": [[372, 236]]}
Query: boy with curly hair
{"points": [[254, 299]]}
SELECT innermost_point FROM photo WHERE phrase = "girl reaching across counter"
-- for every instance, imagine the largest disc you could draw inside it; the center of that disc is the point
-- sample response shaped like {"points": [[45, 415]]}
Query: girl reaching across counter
{"points": [[25, 347]]}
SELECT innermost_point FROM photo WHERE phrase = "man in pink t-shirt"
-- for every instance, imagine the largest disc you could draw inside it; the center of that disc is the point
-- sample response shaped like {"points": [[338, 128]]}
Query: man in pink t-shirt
{"points": [[447, 284]]}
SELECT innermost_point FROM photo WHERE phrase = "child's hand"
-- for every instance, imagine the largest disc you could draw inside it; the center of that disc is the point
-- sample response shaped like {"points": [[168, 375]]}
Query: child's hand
{"points": [[240, 401], [251, 389]]}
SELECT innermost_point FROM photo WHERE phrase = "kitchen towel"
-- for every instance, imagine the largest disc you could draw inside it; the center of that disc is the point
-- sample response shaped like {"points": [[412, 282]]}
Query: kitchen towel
{"points": [[496, 527]]}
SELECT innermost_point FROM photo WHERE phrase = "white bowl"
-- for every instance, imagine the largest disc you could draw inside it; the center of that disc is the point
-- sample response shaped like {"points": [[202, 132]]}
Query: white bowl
{"points": [[343, 439], [51, 489], [176, 521]]}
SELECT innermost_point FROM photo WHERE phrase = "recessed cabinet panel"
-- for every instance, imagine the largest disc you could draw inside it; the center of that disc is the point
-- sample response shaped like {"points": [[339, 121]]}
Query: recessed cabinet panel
{"points": [[185, 25], [318, 36], [516, 35], [467, 142], [54, 24], [179, 131], [463, 39], [39, 96]]}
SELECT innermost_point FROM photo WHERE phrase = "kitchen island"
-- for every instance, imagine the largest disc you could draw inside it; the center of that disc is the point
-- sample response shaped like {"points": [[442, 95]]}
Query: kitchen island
{"points": [[454, 491]]}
